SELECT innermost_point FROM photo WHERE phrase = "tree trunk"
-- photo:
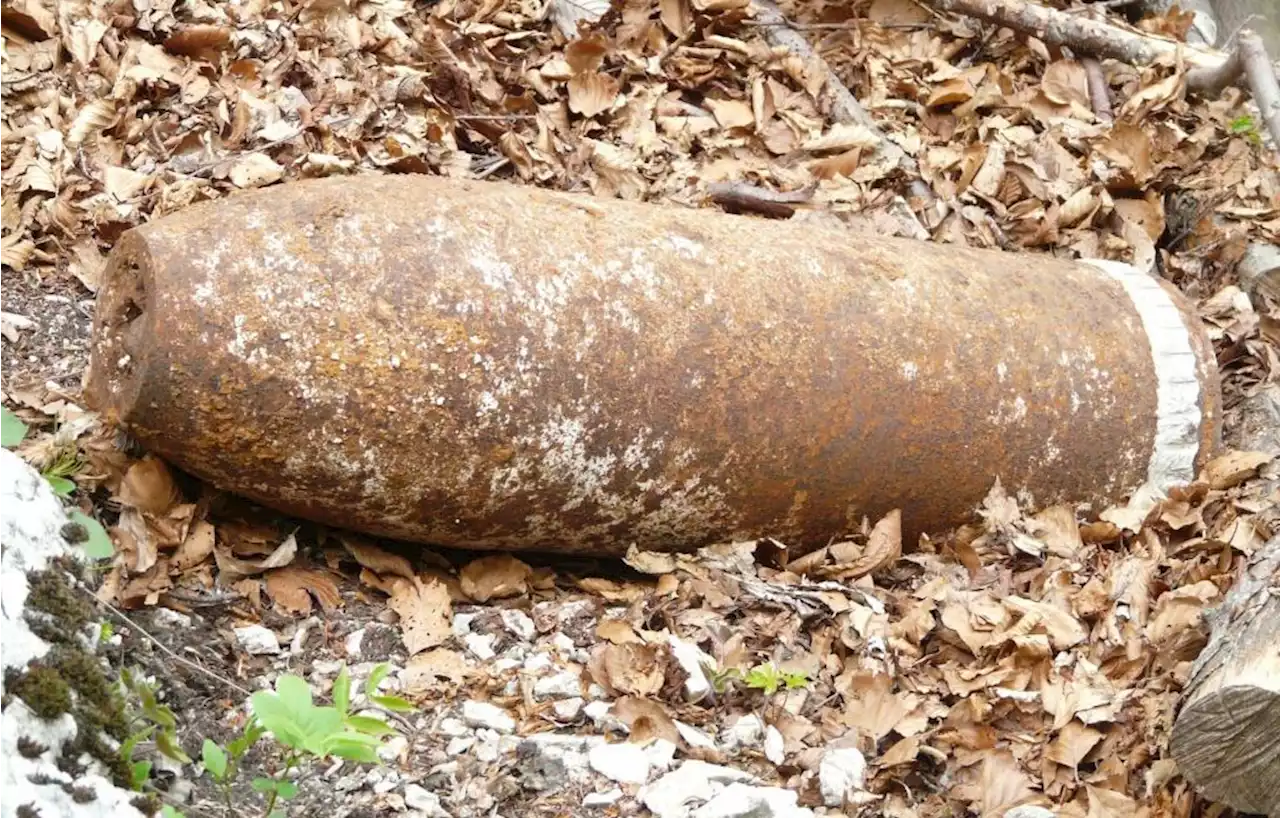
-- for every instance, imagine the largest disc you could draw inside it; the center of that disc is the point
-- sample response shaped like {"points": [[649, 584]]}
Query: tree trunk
{"points": [[1226, 740]]}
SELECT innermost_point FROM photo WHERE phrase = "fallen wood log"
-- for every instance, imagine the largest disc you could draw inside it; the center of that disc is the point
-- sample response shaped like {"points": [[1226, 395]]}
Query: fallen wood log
{"points": [[486, 365], [1226, 740], [1094, 38]]}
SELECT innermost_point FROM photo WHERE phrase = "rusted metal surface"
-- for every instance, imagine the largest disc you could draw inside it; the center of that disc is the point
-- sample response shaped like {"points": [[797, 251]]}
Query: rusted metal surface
{"points": [[485, 365]]}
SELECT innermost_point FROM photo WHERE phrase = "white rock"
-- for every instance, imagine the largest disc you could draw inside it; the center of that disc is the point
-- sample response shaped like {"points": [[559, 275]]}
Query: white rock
{"points": [[601, 714], [742, 801], [1030, 811], [602, 799], [840, 774], [550, 759], [564, 685], [774, 746], [462, 624], [458, 746], [394, 746], [519, 624], [483, 714], [170, 618], [257, 640], [625, 763], [480, 645], [504, 664], [747, 731], [538, 662], [691, 659], [695, 737], [595, 691], [567, 709], [487, 747], [660, 753], [354, 641], [693, 782], [428, 803], [453, 727], [564, 645]]}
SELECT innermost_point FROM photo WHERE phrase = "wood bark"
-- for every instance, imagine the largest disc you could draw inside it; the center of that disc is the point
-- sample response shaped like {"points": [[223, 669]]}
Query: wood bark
{"points": [[1226, 740], [1262, 80], [1093, 38]]}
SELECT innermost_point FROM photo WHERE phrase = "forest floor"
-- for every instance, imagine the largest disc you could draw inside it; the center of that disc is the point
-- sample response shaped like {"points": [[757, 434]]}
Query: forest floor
{"points": [[1026, 660]]}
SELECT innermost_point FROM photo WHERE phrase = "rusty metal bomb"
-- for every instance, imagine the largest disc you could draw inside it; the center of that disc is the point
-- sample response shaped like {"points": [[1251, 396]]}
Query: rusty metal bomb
{"points": [[484, 365]]}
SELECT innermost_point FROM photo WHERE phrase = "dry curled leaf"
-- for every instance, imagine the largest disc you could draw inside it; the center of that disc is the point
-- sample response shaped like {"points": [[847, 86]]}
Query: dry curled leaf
{"points": [[292, 587], [646, 720], [650, 562], [496, 577], [1233, 468], [149, 486], [628, 668], [376, 559]]}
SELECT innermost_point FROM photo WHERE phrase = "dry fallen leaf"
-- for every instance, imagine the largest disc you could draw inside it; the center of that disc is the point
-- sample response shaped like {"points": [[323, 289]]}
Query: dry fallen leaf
{"points": [[1065, 83], [617, 632], [592, 93], [497, 577], [422, 670], [646, 720], [292, 587], [1233, 468], [628, 668], [149, 486], [230, 564], [196, 548], [376, 559], [650, 562], [426, 613]]}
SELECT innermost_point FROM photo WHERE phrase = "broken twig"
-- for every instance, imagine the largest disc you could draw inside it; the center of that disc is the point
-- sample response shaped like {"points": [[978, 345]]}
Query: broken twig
{"points": [[1099, 92], [739, 196], [1262, 80]]}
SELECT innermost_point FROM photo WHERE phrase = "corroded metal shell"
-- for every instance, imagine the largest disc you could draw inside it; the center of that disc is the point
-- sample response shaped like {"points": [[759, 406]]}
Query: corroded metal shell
{"points": [[492, 366]]}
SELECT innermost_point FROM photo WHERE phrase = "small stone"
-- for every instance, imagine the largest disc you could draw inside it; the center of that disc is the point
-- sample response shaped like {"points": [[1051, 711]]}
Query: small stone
{"points": [[694, 780], [394, 747], [458, 746], [483, 714], [567, 709], [549, 760], [453, 727], [537, 662], [691, 659], [602, 799], [487, 747], [625, 763], [480, 645], [563, 685], [564, 645], [426, 802], [353, 641], [595, 691], [660, 753], [747, 731], [743, 801], [462, 624], [504, 664], [519, 625], [774, 746], [601, 713], [168, 617], [1029, 811], [840, 774], [695, 737], [257, 640]]}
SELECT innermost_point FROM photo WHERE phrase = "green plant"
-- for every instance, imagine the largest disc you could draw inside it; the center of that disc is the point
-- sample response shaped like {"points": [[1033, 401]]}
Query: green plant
{"points": [[766, 677], [146, 718], [307, 730], [97, 545], [1245, 126]]}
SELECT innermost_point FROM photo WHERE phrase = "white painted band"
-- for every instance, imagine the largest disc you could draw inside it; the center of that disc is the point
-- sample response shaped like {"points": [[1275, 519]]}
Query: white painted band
{"points": [[1178, 416]]}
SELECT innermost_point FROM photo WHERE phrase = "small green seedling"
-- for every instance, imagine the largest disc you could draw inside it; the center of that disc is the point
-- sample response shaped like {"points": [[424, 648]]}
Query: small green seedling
{"points": [[1246, 127], [764, 677], [12, 430], [309, 731], [147, 718]]}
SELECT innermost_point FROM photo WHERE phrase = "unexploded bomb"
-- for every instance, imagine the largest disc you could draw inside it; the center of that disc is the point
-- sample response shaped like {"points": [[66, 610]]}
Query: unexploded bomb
{"points": [[492, 366]]}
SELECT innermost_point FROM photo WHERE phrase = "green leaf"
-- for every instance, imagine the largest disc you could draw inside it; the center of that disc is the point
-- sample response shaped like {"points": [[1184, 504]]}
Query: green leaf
{"points": [[376, 676], [253, 731], [286, 789], [12, 429], [342, 691], [139, 772], [128, 745], [215, 759], [167, 743], [167, 811], [292, 718], [393, 703], [764, 677], [61, 486], [351, 750], [266, 786], [99, 545], [370, 726]]}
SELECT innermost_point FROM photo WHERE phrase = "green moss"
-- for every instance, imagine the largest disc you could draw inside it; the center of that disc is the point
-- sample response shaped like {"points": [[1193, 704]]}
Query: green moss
{"points": [[44, 691], [97, 704], [52, 594]]}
